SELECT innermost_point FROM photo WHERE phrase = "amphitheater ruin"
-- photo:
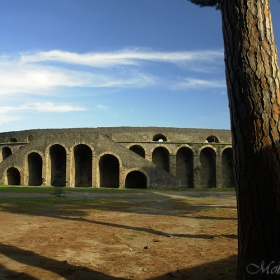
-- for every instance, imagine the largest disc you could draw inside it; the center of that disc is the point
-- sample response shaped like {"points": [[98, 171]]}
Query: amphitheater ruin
{"points": [[117, 157]]}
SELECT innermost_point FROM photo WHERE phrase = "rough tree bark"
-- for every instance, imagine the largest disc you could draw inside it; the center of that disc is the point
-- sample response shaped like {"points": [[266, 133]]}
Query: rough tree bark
{"points": [[252, 74]]}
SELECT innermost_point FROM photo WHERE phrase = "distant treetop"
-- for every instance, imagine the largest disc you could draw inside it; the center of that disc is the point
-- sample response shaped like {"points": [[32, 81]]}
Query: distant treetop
{"points": [[204, 3]]}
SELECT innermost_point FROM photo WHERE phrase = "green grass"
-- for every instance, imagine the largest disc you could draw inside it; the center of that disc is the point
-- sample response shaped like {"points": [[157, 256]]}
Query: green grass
{"points": [[27, 189], [59, 205]]}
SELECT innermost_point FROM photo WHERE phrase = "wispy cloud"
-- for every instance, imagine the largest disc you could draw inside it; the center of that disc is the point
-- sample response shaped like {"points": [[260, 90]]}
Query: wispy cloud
{"points": [[50, 107], [123, 57], [198, 84], [41, 73], [14, 113]]}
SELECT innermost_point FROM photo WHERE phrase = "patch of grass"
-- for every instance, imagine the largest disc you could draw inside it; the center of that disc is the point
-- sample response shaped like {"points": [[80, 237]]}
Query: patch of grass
{"points": [[20, 189], [28, 189], [59, 205]]}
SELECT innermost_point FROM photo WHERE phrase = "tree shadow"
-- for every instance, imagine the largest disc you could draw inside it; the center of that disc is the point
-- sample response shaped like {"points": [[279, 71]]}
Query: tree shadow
{"points": [[10, 274], [143, 229], [76, 207], [217, 270], [68, 209], [155, 203], [224, 269], [61, 268]]}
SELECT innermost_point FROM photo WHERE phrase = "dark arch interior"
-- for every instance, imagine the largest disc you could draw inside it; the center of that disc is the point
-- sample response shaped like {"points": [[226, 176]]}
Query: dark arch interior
{"points": [[212, 139], [208, 168], [160, 158], [13, 139], [184, 167], [35, 165], [6, 152], [83, 166], [138, 150], [159, 137], [136, 179], [30, 138], [109, 171], [13, 176], [58, 165], [228, 170]]}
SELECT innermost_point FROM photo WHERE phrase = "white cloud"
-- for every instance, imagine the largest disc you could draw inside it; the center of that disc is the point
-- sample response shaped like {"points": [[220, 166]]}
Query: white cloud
{"points": [[14, 113], [198, 84], [41, 80], [50, 107], [123, 57], [43, 73]]}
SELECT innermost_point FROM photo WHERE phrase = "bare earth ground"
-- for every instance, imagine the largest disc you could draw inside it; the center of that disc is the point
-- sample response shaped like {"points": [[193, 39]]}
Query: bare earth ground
{"points": [[138, 235]]}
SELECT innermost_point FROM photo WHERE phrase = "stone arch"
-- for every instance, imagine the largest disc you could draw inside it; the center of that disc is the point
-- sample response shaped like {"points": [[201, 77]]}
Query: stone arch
{"points": [[227, 166], [212, 139], [83, 165], [58, 165], [30, 138], [35, 166], [13, 139], [208, 168], [159, 137], [184, 167], [109, 171], [139, 150], [6, 152], [136, 179], [160, 157], [13, 176]]}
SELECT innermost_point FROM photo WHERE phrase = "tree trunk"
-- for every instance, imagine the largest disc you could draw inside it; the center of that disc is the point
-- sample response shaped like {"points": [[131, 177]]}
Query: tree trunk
{"points": [[252, 73]]}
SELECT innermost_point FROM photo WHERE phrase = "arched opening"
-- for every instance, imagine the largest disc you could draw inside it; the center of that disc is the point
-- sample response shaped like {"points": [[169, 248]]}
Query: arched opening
{"points": [[184, 167], [58, 165], [136, 179], [212, 139], [13, 176], [138, 150], [13, 139], [83, 166], [160, 158], [227, 165], [109, 170], [6, 152], [159, 138], [35, 165], [30, 138], [208, 168]]}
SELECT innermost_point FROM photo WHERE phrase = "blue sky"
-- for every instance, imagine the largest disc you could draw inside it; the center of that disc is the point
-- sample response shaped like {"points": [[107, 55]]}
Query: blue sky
{"points": [[92, 63]]}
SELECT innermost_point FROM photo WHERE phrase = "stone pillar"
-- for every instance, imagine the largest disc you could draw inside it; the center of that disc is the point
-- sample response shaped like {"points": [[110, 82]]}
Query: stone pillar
{"points": [[121, 178], [70, 169], [197, 170], [149, 157], [95, 171], [172, 165], [47, 169], [219, 171], [69, 176]]}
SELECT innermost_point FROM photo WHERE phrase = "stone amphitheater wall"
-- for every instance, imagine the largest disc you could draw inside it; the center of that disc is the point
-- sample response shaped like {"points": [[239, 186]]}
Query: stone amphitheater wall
{"points": [[164, 157]]}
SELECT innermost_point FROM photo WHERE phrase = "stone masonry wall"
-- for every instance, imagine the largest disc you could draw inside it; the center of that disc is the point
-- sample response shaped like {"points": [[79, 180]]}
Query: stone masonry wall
{"points": [[169, 156]]}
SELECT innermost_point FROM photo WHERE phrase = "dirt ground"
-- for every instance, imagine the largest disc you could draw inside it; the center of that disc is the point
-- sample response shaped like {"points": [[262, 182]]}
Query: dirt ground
{"points": [[137, 235]]}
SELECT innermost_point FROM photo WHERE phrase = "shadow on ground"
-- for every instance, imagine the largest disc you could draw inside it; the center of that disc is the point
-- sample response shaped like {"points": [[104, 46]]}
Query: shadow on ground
{"points": [[222, 269]]}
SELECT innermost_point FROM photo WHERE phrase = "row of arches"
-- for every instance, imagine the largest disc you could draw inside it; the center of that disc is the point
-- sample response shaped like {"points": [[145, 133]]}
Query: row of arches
{"points": [[185, 165], [209, 139], [205, 173], [109, 169]]}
